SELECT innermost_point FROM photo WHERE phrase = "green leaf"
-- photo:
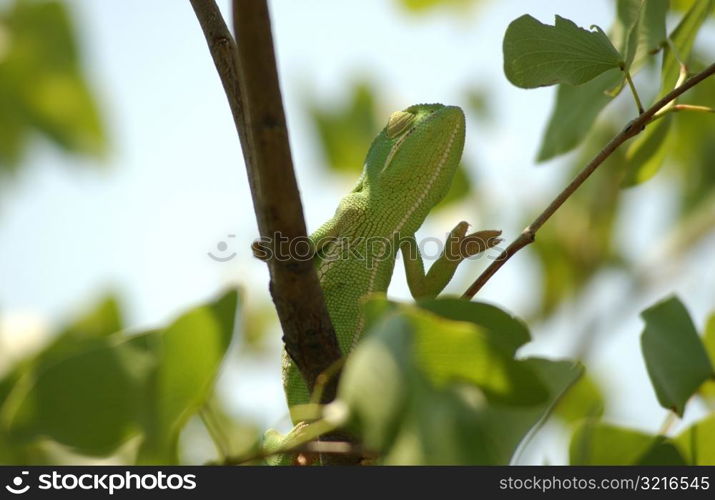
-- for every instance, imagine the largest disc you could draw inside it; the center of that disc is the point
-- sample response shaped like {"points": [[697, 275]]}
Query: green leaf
{"points": [[626, 28], [640, 29], [103, 319], [691, 151], [345, 132], [376, 307], [652, 29], [598, 443], [709, 338], [697, 442], [421, 403], [576, 108], [375, 383], [707, 390], [89, 401], [502, 328], [575, 111], [674, 354], [46, 27], [62, 106], [537, 55], [425, 6], [13, 127], [464, 352], [92, 391], [583, 400], [662, 452], [455, 427], [461, 352], [43, 81], [190, 352], [681, 5], [647, 152], [682, 40]]}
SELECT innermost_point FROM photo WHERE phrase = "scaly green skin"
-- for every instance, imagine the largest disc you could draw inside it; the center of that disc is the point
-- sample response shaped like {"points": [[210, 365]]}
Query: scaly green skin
{"points": [[408, 170]]}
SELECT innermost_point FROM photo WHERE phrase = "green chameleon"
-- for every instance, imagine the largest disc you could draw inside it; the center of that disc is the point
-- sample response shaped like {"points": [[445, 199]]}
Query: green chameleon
{"points": [[409, 168]]}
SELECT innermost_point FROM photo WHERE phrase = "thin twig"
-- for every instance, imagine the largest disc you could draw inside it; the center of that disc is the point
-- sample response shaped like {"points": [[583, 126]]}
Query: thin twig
{"points": [[682, 77], [635, 127], [341, 448], [637, 98], [670, 419], [693, 107], [214, 429], [675, 108], [224, 53]]}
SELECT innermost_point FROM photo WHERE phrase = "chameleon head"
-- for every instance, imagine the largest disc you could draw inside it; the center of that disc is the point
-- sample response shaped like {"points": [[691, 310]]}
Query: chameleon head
{"points": [[411, 163]]}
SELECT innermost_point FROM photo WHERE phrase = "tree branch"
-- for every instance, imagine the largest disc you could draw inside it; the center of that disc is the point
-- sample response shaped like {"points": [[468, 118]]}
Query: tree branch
{"points": [[224, 53], [528, 235], [248, 72]]}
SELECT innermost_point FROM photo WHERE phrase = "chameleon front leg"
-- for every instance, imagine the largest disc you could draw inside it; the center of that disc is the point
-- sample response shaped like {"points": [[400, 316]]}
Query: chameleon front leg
{"points": [[459, 246]]}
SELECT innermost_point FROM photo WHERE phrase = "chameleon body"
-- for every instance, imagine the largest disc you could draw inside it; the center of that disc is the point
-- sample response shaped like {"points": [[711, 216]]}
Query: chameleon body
{"points": [[408, 169]]}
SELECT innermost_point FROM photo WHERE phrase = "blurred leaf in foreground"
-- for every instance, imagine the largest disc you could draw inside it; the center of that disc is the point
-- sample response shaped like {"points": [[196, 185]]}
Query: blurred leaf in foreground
{"points": [[707, 390], [428, 6], [583, 400], [598, 443], [97, 391], [438, 388], [346, 131], [647, 153], [674, 354], [697, 442], [189, 353], [42, 84]]}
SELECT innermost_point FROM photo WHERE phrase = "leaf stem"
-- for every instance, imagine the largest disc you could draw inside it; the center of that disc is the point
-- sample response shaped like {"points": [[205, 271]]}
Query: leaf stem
{"points": [[637, 98], [670, 418], [681, 107], [217, 435], [693, 107], [635, 127]]}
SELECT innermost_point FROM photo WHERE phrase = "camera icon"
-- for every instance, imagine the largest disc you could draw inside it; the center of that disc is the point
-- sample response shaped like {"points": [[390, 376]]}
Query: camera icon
{"points": [[16, 487]]}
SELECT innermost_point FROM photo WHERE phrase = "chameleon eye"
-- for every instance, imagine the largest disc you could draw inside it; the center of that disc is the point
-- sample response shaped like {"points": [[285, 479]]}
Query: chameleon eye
{"points": [[398, 123]]}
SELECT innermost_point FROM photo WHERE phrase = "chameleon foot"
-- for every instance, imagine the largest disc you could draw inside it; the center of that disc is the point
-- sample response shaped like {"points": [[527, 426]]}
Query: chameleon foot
{"points": [[461, 245]]}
